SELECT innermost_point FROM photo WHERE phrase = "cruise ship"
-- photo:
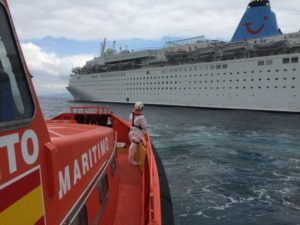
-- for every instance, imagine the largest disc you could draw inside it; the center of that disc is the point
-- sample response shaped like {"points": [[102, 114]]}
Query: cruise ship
{"points": [[258, 69]]}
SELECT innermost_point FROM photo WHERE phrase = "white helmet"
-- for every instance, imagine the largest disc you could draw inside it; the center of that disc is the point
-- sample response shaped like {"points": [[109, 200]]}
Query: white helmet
{"points": [[139, 106]]}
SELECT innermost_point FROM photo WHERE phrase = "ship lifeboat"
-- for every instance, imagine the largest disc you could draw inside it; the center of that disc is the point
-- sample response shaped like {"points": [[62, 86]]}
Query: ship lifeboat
{"points": [[178, 55], [270, 45], [72, 169], [234, 48]]}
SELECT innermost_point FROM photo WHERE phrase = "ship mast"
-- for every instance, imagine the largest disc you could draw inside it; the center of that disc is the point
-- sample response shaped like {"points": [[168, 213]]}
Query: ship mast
{"points": [[103, 44]]}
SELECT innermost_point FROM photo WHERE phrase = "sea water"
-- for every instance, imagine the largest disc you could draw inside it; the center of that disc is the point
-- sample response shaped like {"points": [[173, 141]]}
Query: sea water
{"points": [[225, 167]]}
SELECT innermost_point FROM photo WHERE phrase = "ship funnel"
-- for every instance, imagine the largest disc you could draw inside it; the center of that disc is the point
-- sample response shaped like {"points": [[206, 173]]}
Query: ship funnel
{"points": [[258, 22]]}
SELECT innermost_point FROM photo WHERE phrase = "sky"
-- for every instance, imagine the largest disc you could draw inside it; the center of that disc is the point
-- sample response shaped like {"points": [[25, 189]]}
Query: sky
{"points": [[57, 35]]}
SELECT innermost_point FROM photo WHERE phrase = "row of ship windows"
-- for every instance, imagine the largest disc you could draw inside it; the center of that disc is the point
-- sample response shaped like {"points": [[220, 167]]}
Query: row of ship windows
{"points": [[225, 66], [185, 76], [284, 61], [192, 82], [202, 88], [193, 68], [139, 94], [207, 81]]}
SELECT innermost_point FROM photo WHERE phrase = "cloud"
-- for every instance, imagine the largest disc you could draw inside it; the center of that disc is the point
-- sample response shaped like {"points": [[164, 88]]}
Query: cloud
{"points": [[146, 19], [50, 72]]}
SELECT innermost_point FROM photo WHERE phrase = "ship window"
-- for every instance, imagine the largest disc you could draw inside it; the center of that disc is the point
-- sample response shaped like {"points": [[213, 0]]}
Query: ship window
{"points": [[225, 66], [295, 60], [81, 218], [103, 189], [261, 63], [212, 67], [269, 62], [286, 60], [218, 66], [15, 98], [293, 86]]}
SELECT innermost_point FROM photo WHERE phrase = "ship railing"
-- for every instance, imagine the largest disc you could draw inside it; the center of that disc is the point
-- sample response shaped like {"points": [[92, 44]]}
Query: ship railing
{"points": [[90, 109]]}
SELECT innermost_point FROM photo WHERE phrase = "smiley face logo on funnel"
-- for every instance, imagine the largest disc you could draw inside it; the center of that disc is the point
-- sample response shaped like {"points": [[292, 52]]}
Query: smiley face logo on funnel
{"points": [[258, 30]]}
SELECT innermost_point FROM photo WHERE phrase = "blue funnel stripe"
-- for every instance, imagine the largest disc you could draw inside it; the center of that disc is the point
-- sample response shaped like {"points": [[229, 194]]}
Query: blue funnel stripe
{"points": [[257, 22]]}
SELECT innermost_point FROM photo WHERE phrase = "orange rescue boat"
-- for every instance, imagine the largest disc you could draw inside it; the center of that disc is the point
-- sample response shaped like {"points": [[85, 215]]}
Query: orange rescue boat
{"points": [[72, 169]]}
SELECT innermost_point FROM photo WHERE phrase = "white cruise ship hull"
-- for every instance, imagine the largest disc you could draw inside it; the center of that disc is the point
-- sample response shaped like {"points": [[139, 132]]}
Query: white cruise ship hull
{"points": [[265, 83]]}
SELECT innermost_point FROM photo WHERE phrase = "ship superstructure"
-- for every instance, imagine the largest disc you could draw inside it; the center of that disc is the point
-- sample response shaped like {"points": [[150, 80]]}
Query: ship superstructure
{"points": [[257, 70]]}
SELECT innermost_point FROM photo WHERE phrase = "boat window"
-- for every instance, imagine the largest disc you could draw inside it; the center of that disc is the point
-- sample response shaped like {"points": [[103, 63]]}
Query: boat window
{"points": [[218, 66], [286, 60], [103, 189], [15, 99], [225, 66], [295, 60], [81, 217]]}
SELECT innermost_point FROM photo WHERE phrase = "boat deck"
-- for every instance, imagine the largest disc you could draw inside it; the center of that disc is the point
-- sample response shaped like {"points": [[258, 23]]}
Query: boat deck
{"points": [[129, 207]]}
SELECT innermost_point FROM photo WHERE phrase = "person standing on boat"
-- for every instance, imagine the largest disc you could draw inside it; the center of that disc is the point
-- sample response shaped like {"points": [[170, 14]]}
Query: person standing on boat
{"points": [[137, 130]]}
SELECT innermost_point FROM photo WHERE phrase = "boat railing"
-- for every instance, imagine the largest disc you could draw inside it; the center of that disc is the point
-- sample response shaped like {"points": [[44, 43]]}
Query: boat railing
{"points": [[154, 203], [90, 109]]}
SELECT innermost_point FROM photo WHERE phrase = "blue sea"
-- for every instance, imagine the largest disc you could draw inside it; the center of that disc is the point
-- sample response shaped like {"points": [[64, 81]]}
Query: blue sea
{"points": [[225, 167]]}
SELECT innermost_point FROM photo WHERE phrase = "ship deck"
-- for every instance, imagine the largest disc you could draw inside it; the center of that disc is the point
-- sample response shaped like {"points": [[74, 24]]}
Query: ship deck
{"points": [[129, 206]]}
